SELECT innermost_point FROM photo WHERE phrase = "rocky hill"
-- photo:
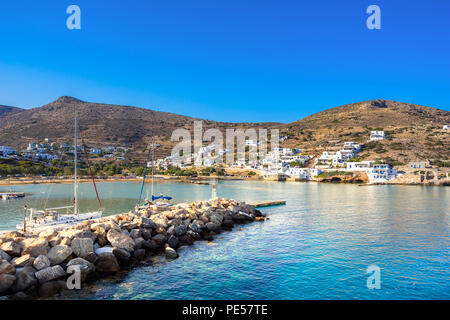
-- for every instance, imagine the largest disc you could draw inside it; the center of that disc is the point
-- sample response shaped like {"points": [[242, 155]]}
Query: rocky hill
{"points": [[413, 132], [101, 125], [7, 110]]}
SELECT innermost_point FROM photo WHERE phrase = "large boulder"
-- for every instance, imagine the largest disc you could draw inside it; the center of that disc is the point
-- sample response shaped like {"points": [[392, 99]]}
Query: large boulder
{"points": [[107, 262], [6, 281], [147, 223], [139, 254], [213, 227], [151, 245], [138, 243], [135, 233], [120, 240], [11, 248], [58, 254], [50, 273], [35, 246], [25, 279], [51, 288], [146, 233], [5, 256], [121, 254], [160, 239], [81, 247], [7, 268], [173, 242], [86, 268], [171, 253], [22, 261], [41, 262], [180, 230]]}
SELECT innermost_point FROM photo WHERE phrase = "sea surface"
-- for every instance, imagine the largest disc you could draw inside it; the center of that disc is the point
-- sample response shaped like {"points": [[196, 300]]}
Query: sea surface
{"points": [[318, 246]]}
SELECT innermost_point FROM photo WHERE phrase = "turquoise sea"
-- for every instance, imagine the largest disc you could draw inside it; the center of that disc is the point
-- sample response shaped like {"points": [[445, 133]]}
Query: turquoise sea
{"points": [[317, 246]]}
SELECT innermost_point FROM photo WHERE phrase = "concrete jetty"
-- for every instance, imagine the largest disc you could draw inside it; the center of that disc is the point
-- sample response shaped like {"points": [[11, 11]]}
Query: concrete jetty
{"points": [[37, 264], [268, 203]]}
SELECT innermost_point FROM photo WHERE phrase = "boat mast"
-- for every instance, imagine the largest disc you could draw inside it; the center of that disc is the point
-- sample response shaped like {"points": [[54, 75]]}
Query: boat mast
{"points": [[153, 156], [75, 184]]}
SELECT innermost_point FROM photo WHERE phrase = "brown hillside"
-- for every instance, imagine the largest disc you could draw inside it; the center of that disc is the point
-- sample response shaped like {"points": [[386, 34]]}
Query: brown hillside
{"points": [[101, 124], [413, 132]]}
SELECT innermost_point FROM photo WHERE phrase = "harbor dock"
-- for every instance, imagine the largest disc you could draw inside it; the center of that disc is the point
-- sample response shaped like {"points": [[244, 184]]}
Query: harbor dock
{"points": [[268, 204]]}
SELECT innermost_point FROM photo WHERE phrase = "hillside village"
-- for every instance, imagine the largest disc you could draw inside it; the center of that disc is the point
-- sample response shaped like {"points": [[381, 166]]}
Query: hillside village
{"points": [[376, 141]]}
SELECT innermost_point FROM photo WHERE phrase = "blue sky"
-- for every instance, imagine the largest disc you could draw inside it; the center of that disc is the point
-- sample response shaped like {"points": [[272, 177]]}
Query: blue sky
{"points": [[233, 60]]}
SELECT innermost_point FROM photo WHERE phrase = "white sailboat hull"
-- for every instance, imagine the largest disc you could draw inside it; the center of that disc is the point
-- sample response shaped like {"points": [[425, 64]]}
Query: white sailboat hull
{"points": [[64, 220]]}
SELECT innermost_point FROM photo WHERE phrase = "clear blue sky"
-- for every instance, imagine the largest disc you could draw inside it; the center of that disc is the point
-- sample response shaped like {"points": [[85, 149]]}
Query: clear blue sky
{"points": [[231, 60]]}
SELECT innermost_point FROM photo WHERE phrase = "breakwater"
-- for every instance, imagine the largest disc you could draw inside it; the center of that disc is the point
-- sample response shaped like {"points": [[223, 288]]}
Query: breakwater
{"points": [[37, 264]]}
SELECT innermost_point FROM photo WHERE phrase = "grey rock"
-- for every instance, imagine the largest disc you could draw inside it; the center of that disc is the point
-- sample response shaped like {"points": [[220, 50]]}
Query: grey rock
{"points": [[7, 268], [135, 233], [51, 288], [171, 253], [41, 262], [107, 262], [146, 233], [180, 230], [147, 223], [139, 254], [50, 273], [121, 254], [120, 240], [86, 268], [25, 279], [138, 243], [173, 242], [151, 245], [6, 281], [58, 254], [5, 256], [213, 227], [22, 261], [11, 248], [82, 246], [160, 239]]}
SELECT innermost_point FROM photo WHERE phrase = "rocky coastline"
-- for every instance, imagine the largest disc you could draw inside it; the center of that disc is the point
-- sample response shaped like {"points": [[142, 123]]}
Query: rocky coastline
{"points": [[37, 265]]}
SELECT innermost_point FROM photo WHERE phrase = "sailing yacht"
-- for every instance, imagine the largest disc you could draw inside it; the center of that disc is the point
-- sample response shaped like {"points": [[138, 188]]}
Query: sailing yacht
{"points": [[160, 201], [51, 217]]}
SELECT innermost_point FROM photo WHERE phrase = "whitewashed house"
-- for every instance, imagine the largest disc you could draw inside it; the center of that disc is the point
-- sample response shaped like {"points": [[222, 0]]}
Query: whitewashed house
{"points": [[377, 135], [381, 173], [446, 127], [376, 172]]}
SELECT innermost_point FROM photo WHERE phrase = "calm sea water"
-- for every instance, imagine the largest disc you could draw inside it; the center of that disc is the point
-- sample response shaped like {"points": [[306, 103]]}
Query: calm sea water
{"points": [[318, 246]]}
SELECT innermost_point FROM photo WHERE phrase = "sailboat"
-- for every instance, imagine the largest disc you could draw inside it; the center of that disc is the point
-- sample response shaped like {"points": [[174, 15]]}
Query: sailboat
{"points": [[51, 217], [160, 201]]}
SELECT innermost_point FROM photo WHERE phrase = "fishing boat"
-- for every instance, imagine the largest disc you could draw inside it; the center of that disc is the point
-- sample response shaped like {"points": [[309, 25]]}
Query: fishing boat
{"points": [[54, 217], [161, 201]]}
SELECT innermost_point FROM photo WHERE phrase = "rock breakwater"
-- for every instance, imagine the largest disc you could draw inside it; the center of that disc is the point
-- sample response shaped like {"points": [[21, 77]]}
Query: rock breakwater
{"points": [[38, 264]]}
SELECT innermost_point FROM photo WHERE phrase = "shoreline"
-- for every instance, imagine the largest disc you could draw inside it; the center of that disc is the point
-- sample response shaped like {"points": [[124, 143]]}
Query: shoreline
{"points": [[205, 180]]}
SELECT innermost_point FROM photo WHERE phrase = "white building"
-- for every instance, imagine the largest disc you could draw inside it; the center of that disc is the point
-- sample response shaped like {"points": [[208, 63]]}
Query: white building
{"points": [[303, 173], [376, 172], [446, 127], [352, 146], [381, 173], [377, 135]]}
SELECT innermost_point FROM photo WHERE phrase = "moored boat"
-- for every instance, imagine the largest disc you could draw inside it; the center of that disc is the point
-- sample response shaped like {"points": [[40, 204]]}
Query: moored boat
{"points": [[52, 217]]}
